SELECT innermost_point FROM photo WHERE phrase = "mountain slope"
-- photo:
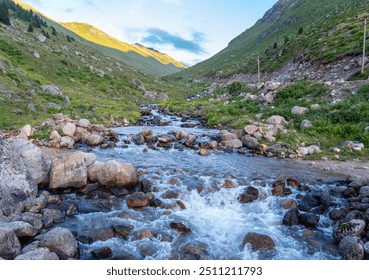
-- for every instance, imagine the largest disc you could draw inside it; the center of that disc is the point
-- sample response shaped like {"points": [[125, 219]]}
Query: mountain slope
{"points": [[302, 30], [142, 58], [47, 71]]}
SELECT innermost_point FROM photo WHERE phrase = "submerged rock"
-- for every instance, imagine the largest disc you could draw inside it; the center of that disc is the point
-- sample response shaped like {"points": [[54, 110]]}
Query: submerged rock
{"points": [[259, 242]]}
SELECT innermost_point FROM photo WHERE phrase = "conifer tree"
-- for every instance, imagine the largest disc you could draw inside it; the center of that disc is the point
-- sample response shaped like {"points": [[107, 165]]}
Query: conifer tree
{"points": [[4, 12], [30, 28]]}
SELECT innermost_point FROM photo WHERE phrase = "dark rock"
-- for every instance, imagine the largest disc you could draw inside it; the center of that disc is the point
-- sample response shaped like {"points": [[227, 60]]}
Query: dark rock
{"points": [[293, 182], [308, 202], [138, 199], [170, 194], [278, 190], [367, 215], [180, 228], [337, 214], [62, 242], [351, 248], [51, 216], [353, 215], [287, 191], [97, 232], [34, 219], [279, 183], [349, 192], [119, 192], [9, 243], [326, 200], [359, 206], [309, 220], [123, 230], [89, 188], [164, 146], [193, 250], [250, 194], [73, 210], [291, 218], [145, 186], [102, 253], [138, 139], [156, 203], [288, 203], [259, 242]]}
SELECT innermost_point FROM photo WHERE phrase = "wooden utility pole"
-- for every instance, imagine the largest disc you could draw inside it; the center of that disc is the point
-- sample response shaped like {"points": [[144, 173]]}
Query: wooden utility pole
{"points": [[364, 46], [259, 76]]}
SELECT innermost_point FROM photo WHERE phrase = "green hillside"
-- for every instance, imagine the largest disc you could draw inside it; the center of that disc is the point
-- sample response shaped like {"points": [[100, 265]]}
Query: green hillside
{"points": [[298, 30], [47, 70]]}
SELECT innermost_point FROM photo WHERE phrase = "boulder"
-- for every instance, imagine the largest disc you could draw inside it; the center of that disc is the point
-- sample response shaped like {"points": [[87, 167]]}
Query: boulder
{"points": [[21, 229], [364, 191], [226, 135], [36, 164], [309, 220], [82, 135], [67, 142], [299, 110], [35, 205], [250, 194], [16, 185], [102, 253], [180, 135], [277, 120], [90, 159], [69, 171], [69, 129], [35, 219], [93, 170], [250, 142], [233, 144], [250, 129], [95, 140], [289, 203], [204, 152], [51, 216], [38, 254], [291, 218], [136, 200], [351, 248], [27, 131], [55, 136], [180, 227], [61, 241], [306, 124], [147, 132], [193, 250], [118, 175], [9, 243], [84, 123], [123, 230], [259, 242], [353, 228]]}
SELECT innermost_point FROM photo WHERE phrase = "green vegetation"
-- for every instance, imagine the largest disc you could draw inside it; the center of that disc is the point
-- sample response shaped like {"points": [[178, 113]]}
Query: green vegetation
{"points": [[291, 31], [4, 12]]}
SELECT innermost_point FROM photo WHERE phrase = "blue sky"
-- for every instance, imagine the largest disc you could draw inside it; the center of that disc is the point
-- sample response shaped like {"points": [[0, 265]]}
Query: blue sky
{"points": [[188, 30]]}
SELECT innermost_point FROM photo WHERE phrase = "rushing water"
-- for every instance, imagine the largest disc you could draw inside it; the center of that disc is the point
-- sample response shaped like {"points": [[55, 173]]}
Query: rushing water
{"points": [[218, 222]]}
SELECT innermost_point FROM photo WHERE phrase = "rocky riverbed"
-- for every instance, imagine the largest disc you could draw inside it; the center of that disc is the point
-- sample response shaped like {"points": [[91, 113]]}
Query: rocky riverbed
{"points": [[172, 189]]}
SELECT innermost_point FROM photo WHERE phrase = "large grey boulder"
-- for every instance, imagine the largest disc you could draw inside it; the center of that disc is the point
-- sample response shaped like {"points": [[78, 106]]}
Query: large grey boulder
{"points": [[33, 158], [118, 175], [43, 254], [351, 248], [16, 185], [61, 241], [69, 171], [9, 243], [21, 229]]}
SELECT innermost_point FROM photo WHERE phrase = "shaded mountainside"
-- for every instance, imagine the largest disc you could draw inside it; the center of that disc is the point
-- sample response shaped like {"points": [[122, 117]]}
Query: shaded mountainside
{"points": [[141, 58], [292, 30], [46, 70]]}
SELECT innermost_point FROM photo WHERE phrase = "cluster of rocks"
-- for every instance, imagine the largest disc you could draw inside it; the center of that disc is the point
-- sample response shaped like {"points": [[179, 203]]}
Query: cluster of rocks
{"points": [[351, 145], [66, 133]]}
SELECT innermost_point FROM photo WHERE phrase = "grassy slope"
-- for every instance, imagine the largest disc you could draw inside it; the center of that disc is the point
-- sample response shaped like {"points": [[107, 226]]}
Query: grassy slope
{"points": [[330, 30], [74, 68], [141, 58]]}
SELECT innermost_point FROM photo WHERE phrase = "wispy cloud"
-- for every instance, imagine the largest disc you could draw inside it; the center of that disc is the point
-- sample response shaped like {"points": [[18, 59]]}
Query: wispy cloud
{"points": [[171, 1], [159, 36]]}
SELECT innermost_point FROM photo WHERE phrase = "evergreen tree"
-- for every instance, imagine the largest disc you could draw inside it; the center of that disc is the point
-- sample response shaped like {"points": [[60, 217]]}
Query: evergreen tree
{"points": [[30, 28], [301, 30], [4, 12], [275, 45], [286, 39]]}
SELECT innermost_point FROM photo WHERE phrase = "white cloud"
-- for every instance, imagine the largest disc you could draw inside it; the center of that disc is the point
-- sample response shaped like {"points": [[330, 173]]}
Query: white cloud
{"points": [[171, 1]]}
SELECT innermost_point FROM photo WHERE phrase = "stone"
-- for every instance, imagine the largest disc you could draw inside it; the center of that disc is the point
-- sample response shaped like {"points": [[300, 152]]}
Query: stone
{"points": [[123, 230], [117, 175], [250, 129], [204, 152], [84, 123], [27, 130], [306, 124], [366, 248], [353, 228], [90, 159], [82, 135], [102, 253], [308, 202], [62, 242], [278, 191], [51, 89], [248, 195], [93, 170], [259, 242], [299, 110], [359, 182], [138, 139], [34, 160], [55, 136], [291, 218], [32, 107], [69, 129], [190, 140], [180, 227], [35, 205], [147, 132], [67, 142], [315, 107], [69, 171], [293, 182], [35, 219], [250, 142], [303, 151], [9, 243], [180, 135], [288, 203], [233, 144], [16, 185], [21, 229], [351, 248], [137, 200], [94, 140], [367, 215], [226, 135], [193, 250], [364, 191], [38, 254], [309, 220], [170, 194], [277, 120], [51, 216]]}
